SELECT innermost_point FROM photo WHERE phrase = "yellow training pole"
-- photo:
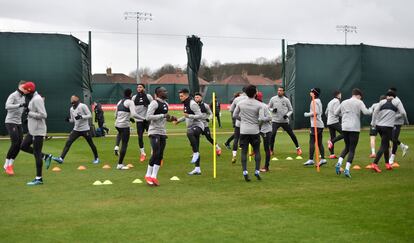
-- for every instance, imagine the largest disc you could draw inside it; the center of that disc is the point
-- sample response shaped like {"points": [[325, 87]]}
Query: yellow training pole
{"points": [[315, 131], [214, 136], [250, 153]]}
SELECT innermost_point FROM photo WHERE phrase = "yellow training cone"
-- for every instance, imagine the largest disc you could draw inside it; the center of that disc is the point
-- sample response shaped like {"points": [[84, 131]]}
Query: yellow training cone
{"points": [[299, 157], [174, 178], [137, 181], [289, 158], [130, 165], [97, 183], [106, 167], [81, 167], [356, 167], [107, 182], [56, 169], [341, 169]]}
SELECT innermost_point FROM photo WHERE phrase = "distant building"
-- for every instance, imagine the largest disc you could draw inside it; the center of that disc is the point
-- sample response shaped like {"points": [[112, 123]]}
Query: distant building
{"points": [[113, 78], [245, 79], [177, 78]]}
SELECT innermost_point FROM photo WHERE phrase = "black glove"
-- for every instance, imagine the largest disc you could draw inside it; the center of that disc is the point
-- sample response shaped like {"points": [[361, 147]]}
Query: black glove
{"points": [[23, 105], [67, 119], [168, 117], [131, 119], [285, 117], [208, 120], [78, 117], [274, 110]]}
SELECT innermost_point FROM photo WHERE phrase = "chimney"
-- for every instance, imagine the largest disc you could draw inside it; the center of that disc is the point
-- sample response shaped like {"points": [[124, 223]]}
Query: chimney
{"points": [[108, 71]]}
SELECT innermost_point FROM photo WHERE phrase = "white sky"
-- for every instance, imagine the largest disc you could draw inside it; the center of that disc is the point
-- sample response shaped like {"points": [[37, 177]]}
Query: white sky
{"points": [[379, 22]]}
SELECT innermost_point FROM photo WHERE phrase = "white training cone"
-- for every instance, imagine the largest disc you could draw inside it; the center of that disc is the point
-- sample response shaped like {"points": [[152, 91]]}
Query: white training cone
{"points": [[174, 178], [107, 182], [289, 158], [274, 159], [137, 181], [97, 183]]}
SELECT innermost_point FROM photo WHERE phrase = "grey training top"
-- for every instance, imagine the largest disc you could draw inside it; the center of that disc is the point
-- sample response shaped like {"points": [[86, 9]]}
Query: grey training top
{"points": [[250, 112], [208, 115], [157, 122], [36, 118], [283, 106], [319, 109], [243, 96], [330, 111], [141, 110], [82, 124], [193, 120], [387, 112], [122, 117], [350, 110], [372, 108], [401, 120], [266, 125], [14, 111]]}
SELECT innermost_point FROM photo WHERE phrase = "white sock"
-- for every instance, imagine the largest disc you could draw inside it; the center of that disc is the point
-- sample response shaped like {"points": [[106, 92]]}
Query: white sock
{"points": [[257, 172], [116, 148], [6, 163], [142, 150], [155, 171], [245, 172], [149, 171], [38, 177], [392, 157], [197, 169], [347, 166], [234, 153], [340, 161], [196, 155], [11, 161], [372, 150], [217, 146], [402, 146]]}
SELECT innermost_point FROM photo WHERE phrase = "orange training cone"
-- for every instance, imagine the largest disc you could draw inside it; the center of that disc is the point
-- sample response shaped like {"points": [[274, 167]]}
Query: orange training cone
{"points": [[81, 167], [56, 169]]}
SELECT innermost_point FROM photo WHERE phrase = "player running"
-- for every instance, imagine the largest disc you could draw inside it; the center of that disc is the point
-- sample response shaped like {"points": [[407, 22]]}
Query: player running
{"points": [[333, 123]]}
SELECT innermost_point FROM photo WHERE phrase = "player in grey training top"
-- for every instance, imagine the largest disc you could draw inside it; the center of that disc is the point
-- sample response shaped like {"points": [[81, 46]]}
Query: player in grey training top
{"points": [[350, 110], [141, 101], [36, 124], [79, 115], [158, 116], [333, 123], [125, 112], [281, 109], [15, 106], [399, 121], [265, 131], [241, 97], [384, 118], [207, 116], [315, 92], [372, 130], [195, 127], [250, 113]]}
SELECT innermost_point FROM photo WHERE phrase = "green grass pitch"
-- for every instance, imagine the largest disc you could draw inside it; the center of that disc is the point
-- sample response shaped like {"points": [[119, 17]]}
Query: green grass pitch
{"points": [[290, 204]]}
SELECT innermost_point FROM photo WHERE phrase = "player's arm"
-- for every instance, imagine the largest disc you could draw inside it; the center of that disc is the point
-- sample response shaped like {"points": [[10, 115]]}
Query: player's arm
{"points": [[290, 109], [364, 109], [209, 113], [264, 114], [40, 112], [236, 113], [375, 111], [10, 105], [153, 106], [86, 112], [130, 104], [196, 109]]}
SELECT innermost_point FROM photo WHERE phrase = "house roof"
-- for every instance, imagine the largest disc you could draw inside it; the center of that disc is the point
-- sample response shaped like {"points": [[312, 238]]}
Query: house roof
{"points": [[112, 78], [240, 79], [177, 78]]}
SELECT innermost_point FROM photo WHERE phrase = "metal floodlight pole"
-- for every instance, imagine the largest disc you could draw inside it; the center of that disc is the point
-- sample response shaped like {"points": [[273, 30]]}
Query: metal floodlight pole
{"points": [[138, 16], [346, 29]]}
